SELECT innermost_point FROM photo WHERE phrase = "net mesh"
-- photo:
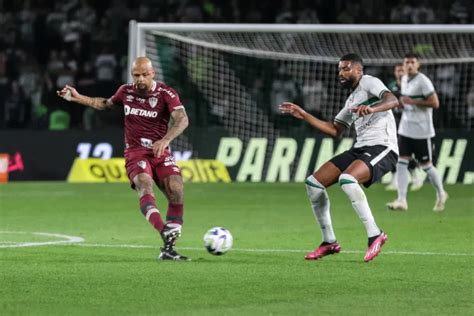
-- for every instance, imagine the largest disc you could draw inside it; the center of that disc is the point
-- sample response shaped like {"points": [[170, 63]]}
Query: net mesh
{"points": [[237, 80]]}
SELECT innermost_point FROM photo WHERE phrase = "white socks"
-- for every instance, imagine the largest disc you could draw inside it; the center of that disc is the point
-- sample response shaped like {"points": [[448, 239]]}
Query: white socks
{"points": [[434, 177], [402, 179], [351, 187], [320, 204]]}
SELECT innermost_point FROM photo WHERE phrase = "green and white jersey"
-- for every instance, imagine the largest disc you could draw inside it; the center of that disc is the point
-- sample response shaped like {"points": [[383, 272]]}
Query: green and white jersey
{"points": [[373, 129], [417, 121]]}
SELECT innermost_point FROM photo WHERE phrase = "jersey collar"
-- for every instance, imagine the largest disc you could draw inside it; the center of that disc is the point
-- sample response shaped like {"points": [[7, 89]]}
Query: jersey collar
{"points": [[411, 78]]}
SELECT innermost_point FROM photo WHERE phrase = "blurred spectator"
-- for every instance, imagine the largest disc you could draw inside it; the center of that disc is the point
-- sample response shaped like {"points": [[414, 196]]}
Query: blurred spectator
{"points": [[286, 14], [15, 106], [350, 14], [470, 105], [118, 16], [104, 35], [30, 82], [283, 89], [190, 12], [67, 72], [423, 13], [4, 87], [59, 120], [87, 15], [401, 13], [71, 29], [25, 20], [315, 96], [460, 12], [253, 14], [105, 64], [86, 83], [54, 62], [305, 13], [54, 20]]}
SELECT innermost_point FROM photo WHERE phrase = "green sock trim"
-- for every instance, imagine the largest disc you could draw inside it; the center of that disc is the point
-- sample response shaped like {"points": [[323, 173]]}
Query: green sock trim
{"points": [[345, 181], [313, 184]]}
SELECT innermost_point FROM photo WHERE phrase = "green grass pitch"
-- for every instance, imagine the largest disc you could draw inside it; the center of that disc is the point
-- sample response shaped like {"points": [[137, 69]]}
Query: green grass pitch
{"points": [[426, 267]]}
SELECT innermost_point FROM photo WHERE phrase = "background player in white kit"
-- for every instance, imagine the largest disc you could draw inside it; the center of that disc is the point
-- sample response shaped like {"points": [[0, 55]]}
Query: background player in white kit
{"points": [[374, 153], [395, 87], [415, 131]]}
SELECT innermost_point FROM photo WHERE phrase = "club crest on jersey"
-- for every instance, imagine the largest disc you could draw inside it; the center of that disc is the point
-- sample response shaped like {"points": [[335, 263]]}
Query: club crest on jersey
{"points": [[142, 164], [153, 101]]}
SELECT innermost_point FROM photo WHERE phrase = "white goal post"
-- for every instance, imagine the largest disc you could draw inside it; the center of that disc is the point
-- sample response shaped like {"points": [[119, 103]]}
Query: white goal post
{"points": [[240, 72]]}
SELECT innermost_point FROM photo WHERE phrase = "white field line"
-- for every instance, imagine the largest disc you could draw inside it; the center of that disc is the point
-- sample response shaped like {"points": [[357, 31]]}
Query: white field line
{"points": [[79, 241], [413, 253], [64, 239]]}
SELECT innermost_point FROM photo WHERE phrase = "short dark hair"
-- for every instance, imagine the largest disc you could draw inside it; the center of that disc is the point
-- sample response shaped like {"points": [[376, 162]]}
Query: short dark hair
{"points": [[411, 55], [397, 65], [352, 57]]}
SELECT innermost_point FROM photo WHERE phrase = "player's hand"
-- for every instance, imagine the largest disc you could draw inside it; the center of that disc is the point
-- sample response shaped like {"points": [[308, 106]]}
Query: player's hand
{"points": [[292, 109], [68, 93], [160, 146], [404, 100], [363, 110]]}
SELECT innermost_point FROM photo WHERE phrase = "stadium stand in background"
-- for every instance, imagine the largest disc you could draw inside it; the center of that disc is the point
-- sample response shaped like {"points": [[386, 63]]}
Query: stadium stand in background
{"points": [[47, 44]]}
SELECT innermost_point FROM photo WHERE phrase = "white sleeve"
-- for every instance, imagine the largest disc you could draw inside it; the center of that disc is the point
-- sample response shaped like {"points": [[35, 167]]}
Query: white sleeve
{"points": [[344, 117], [427, 87], [375, 86]]}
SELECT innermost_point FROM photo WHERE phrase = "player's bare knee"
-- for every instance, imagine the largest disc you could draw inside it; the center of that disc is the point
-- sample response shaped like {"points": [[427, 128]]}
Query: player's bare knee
{"points": [[143, 184], [175, 193], [174, 189]]}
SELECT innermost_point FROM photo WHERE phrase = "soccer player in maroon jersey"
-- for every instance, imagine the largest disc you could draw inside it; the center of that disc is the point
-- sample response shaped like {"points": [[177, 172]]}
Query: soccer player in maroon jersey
{"points": [[149, 106]]}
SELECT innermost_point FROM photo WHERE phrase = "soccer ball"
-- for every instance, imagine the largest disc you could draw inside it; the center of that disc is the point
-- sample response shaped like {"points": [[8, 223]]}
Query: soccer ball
{"points": [[218, 241]]}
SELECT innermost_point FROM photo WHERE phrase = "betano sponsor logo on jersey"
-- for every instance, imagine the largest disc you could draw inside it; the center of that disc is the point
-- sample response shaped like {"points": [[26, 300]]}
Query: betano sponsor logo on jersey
{"points": [[140, 112]]}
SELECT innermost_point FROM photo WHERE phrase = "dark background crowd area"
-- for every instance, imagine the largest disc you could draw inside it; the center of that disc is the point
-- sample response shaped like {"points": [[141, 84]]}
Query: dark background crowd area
{"points": [[46, 44]]}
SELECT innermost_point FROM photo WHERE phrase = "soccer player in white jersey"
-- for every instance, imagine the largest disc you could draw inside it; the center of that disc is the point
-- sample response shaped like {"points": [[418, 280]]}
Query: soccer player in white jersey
{"points": [[395, 87], [374, 153], [415, 131]]}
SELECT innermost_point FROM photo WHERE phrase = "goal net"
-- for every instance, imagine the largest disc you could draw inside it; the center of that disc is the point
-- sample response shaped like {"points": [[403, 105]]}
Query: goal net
{"points": [[235, 76]]}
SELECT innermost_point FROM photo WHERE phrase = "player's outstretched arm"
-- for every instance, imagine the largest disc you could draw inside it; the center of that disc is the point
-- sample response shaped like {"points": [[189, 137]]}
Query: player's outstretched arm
{"points": [[430, 102], [70, 94], [389, 101], [328, 128], [178, 123]]}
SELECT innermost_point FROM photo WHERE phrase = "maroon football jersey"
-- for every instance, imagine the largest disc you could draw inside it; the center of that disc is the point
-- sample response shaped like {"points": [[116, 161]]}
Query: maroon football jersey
{"points": [[146, 117]]}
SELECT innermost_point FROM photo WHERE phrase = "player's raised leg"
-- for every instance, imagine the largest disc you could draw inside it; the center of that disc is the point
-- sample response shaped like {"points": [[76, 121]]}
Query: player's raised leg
{"points": [[316, 188], [172, 187], [359, 172], [143, 183]]}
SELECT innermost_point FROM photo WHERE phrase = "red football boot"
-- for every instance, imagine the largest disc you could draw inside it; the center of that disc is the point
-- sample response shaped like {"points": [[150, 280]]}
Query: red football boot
{"points": [[323, 250], [375, 247]]}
